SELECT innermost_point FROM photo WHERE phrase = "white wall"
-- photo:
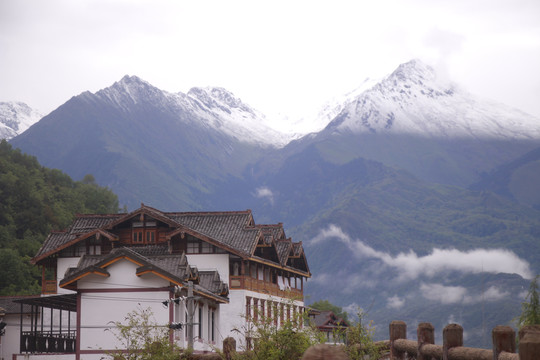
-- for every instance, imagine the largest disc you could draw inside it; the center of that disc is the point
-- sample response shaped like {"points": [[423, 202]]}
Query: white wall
{"points": [[99, 310], [62, 265], [10, 342], [47, 357], [219, 262]]}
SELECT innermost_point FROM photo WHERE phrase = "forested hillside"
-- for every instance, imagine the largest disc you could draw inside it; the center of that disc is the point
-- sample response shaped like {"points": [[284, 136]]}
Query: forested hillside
{"points": [[33, 201]]}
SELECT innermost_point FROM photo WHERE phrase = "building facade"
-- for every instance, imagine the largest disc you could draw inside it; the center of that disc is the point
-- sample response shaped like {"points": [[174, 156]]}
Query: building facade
{"points": [[106, 266]]}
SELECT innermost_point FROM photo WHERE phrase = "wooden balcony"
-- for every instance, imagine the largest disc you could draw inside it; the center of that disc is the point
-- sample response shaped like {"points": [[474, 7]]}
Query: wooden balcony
{"points": [[48, 287], [264, 287], [48, 342]]}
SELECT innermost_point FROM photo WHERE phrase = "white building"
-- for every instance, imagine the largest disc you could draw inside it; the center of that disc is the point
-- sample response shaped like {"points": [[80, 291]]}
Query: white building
{"points": [[105, 266]]}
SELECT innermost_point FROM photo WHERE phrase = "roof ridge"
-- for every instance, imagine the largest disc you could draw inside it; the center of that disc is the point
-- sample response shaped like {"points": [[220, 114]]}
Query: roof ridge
{"points": [[228, 212], [78, 215]]}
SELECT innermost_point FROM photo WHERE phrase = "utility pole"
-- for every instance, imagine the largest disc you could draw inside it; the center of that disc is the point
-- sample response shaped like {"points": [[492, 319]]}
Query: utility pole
{"points": [[190, 310]]}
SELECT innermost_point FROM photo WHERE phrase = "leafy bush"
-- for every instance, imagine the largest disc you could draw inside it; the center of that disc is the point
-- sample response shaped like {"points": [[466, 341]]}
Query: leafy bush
{"points": [[360, 344], [141, 338], [286, 342]]}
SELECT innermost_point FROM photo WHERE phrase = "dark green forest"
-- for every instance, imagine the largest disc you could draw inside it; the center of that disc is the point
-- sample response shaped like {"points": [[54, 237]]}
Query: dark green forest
{"points": [[33, 201]]}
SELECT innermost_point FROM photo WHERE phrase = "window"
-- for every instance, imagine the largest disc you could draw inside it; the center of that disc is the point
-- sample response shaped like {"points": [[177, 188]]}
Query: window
{"points": [[235, 268], [150, 236], [206, 248], [80, 250], [94, 249], [211, 325], [94, 246], [144, 232], [200, 321], [248, 307], [193, 247], [255, 309]]}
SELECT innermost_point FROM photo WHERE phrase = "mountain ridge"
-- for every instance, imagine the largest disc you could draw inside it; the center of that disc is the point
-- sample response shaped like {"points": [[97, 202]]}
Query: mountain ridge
{"points": [[15, 118], [414, 100]]}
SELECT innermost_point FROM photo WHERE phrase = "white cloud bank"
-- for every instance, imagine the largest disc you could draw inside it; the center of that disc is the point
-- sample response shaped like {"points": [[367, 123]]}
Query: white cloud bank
{"points": [[459, 295], [411, 266], [264, 192]]}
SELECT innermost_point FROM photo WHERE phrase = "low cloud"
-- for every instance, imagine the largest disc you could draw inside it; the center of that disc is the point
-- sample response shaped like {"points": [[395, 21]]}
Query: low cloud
{"points": [[395, 302], [460, 295], [411, 266], [264, 192]]}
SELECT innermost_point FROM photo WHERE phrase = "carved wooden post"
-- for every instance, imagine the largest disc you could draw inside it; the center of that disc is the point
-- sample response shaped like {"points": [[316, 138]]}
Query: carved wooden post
{"points": [[452, 337], [426, 335], [398, 330], [229, 347], [504, 339], [529, 342]]}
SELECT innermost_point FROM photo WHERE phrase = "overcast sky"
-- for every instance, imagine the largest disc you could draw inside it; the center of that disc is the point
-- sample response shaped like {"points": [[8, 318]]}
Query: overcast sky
{"points": [[281, 57]]}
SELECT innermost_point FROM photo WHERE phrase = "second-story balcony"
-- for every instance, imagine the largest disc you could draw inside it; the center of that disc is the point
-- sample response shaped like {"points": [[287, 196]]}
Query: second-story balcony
{"points": [[264, 287]]}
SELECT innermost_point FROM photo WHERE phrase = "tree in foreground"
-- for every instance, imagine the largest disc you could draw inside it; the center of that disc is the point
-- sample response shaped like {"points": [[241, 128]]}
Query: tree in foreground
{"points": [[530, 309], [360, 344], [270, 342], [141, 338]]}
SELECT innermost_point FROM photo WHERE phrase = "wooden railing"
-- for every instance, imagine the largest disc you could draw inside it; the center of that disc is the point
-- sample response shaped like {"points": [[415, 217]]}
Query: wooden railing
{"points": [[48, 342], [504, 344], [265, 287]]}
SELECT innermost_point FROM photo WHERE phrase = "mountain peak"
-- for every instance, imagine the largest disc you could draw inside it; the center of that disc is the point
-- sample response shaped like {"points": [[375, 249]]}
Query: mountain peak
{"points": [[414, 100], [414, 70], [218, 97], [15, 118], [131, 90]]}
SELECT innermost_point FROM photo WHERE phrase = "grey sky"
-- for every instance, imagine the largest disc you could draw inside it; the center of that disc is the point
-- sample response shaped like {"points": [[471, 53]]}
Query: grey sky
{"points": [[281, 57]]}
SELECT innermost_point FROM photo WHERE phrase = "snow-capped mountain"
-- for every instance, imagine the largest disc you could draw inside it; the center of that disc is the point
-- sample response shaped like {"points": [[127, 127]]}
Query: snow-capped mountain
{"points": [[15, 118], [216, 107], [414, 100]]}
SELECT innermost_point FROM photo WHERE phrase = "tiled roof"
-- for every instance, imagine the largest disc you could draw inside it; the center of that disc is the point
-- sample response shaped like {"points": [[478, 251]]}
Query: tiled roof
{"points": [[10, 307], [297, 248], [211, 281], [227, 228], [283, 248], [233, 230], [151, 250], [174, 267], [86, 223], [54, 241], [328, 319]]}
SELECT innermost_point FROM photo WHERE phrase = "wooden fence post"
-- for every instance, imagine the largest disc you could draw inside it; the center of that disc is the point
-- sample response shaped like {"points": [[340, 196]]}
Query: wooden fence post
{"points": [[504, 339], [529, 342], [398, 330], [452, 337], [229, 347], [426, 335]]}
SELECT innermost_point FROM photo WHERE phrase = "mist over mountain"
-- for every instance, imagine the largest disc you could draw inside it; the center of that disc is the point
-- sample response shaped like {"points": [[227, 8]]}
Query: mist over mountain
{"points": [[410, 201], [15, 118]]}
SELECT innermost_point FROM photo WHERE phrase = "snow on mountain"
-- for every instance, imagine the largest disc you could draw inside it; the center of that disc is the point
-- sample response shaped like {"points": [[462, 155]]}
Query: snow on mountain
{"points": [[415, 100], [15, 118], [225, 111], [218, 108]]}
